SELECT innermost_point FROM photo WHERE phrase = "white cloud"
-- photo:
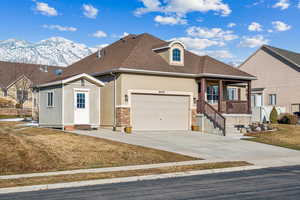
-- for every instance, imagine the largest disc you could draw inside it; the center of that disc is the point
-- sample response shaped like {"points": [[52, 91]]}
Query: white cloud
{"points": [[89, 11], [45, 9], [99, 34], [101, 46], [215, 33], [183, 6], [254, 26], [124, 34], [230, 25], [120, 36], [220, 54], [196, 44], [281, 26], [254, 41], [60, 28], [169, 20], [235, 63], [298, 5], [282, 4]]}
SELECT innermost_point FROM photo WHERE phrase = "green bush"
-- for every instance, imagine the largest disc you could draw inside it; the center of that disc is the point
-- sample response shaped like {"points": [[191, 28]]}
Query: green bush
{"points": [[287, 118], [273, 116]]}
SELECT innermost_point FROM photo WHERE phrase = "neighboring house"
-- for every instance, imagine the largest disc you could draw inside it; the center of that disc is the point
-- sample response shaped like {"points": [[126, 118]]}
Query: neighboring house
{"points": [[151, 84], [278, 74], [17, 79]]}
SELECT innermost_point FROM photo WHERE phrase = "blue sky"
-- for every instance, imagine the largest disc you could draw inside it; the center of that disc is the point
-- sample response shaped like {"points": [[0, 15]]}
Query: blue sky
{"points": [[229, 30]]}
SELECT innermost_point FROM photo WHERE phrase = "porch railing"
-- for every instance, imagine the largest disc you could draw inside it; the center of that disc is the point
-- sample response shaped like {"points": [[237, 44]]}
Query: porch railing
{"points": [[236, 107], [212, 114]]}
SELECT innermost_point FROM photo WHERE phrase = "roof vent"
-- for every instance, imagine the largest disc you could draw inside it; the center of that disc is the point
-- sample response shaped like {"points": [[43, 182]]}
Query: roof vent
{"points": [[100, 53], [44, 68]]}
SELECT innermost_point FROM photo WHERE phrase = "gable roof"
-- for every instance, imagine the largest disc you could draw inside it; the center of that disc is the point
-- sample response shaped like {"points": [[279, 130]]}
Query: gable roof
{"points": [[135, 53], [290, 58], [10, 72], [286, 54], [73, 78]]}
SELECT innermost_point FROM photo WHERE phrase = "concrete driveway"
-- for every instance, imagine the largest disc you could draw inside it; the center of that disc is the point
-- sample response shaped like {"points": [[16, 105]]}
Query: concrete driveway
{"points": [[209, 147]]}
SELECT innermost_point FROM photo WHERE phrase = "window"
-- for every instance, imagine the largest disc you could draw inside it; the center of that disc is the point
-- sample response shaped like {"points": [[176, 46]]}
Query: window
{"points": [[50, 99], [22, 95], [231, 94], [212, 94], [80, 100], [176, 55], [272, 99]]}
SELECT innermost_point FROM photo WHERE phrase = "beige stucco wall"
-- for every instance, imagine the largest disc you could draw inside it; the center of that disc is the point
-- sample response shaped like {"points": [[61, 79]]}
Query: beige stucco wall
{"points": [[107, 99], [158, 83], [166, 54], [128, 82], [276, 77]]}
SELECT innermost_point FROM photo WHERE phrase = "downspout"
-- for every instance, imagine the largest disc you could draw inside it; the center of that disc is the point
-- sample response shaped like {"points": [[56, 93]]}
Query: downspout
{"points": [[115, 102]]}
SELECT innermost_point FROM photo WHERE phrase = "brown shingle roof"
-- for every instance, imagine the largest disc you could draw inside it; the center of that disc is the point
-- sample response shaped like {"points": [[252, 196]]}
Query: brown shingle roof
{"points": [[10, 72], [136, 52], [289, 55]]}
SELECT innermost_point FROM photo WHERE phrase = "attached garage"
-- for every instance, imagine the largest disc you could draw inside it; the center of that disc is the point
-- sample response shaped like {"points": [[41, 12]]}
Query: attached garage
{"points": [[160, 112]]}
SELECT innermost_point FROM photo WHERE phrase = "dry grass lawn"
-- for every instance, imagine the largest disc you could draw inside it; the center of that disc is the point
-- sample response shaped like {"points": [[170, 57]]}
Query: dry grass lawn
{"points": [[286, 136], [28, 150], [117, 174]]}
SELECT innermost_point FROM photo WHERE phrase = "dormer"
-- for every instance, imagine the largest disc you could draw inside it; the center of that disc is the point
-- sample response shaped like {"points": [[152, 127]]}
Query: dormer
{"points": [[172, 52]]}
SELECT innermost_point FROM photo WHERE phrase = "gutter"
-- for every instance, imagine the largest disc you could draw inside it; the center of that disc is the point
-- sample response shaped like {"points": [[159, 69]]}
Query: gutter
{"points": [[140, 71]]}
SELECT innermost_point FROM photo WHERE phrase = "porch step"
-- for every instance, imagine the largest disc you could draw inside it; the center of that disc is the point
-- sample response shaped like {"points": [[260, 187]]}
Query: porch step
{"points": [[83, 127]]}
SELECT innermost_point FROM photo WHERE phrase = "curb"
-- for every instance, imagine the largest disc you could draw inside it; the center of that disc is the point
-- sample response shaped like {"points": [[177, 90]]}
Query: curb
{"points": [[122, 180]]}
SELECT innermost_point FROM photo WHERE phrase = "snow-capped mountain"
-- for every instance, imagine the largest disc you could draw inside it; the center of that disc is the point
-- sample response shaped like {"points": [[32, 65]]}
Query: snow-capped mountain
{"points": [[56, 51]]}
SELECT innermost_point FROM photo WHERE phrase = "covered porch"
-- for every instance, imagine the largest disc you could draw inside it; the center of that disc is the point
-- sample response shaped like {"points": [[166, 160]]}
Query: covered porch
{"points": [[225, 96]]}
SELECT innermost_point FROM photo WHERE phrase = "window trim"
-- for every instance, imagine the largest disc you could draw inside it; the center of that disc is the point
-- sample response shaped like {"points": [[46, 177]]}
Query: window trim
{"points": [[270, 100], [179, 56], [47, 100]]}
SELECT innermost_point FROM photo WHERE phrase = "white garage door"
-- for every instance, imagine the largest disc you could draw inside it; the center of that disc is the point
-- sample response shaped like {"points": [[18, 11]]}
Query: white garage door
{"points": [[160, 112]]}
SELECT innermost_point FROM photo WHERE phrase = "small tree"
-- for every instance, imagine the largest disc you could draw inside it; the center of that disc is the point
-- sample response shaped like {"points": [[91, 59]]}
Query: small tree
{"points": [[273, 116]]}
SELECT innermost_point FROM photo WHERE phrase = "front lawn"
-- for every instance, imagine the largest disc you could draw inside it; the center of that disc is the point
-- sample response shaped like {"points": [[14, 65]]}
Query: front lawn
{"points": [[286, 136], [116, 174], [28, 150]]}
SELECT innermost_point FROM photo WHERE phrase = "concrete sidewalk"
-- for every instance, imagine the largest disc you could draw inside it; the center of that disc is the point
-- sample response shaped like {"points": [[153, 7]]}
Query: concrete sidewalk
{"points": [[122, 180], [110, 169]]}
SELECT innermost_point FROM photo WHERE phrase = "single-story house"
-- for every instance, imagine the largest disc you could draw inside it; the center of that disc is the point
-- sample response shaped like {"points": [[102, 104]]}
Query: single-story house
{"points": [[277, 71], [151, 84]]}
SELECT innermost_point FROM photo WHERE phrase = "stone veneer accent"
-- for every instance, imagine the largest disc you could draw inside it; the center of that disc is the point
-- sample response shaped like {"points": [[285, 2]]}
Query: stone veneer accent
{"points": [[194, 117], [123, 117]]}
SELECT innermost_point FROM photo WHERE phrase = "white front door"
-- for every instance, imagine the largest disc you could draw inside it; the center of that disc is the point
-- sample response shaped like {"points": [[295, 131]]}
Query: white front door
{"points": [[81, 110]]}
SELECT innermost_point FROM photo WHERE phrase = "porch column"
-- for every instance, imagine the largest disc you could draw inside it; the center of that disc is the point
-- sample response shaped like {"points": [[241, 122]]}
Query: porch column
{"points": [[202, 94], [249, 97], [220, 91]]}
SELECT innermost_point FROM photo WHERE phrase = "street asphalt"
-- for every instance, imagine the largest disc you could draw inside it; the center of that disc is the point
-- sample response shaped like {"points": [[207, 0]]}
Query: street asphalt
{"points": [[271, 183]]}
